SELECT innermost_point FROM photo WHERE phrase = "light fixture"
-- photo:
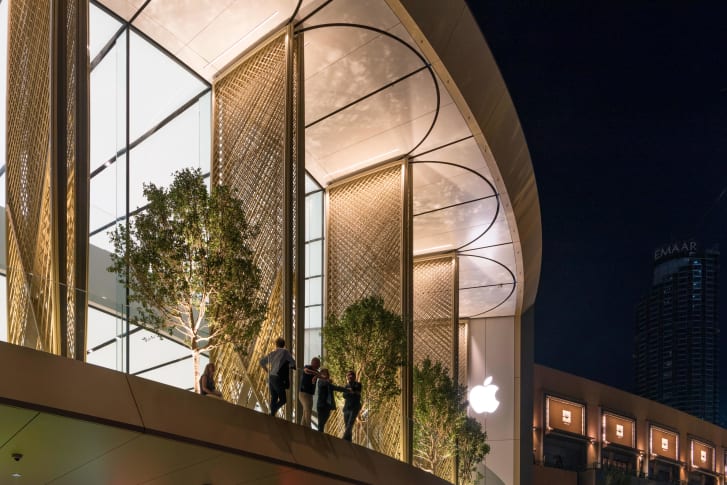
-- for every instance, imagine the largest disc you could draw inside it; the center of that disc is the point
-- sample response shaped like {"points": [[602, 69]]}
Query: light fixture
{"points": [[16, 475]]}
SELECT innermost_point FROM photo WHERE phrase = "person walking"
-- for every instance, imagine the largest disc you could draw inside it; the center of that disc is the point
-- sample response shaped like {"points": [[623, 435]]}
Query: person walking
{"points": [[352, 403], [278, 364], [308, 389]]}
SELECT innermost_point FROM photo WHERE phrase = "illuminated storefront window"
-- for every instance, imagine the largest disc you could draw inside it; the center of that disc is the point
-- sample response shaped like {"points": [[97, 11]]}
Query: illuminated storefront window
{"points": [[618, 430], [565, 415], [702, 455], [663, 443]]}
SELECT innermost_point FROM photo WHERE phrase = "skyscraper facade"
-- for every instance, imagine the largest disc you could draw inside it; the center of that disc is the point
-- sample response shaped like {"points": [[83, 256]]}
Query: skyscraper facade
{"points": [[676, 356]]}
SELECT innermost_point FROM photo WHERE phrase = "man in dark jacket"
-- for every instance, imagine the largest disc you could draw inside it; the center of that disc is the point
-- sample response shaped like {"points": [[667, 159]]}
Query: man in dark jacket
{"points": [[352, 403], [276, 363]]}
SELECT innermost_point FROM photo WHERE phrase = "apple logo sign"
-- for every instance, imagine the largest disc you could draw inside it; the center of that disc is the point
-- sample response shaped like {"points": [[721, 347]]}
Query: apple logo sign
{"points": [[482, 398]]}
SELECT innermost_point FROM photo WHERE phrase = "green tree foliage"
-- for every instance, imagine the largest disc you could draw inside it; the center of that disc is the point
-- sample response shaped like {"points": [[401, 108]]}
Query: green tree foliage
{"points": [[371, 340], [441, 426], [472, 447], [188, 265]]}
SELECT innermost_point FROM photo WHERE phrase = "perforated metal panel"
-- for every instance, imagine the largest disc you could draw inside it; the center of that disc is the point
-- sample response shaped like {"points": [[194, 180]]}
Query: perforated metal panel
{"points": [[365, 240], [250, 135], [31, 292], [46, 133], [434, 293], [365, 254]]}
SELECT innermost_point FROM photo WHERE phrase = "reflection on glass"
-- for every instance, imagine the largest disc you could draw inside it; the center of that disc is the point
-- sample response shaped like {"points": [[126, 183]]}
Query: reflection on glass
{"points": [[101, 28], [158, 86], [108, 105], [174, 147]]}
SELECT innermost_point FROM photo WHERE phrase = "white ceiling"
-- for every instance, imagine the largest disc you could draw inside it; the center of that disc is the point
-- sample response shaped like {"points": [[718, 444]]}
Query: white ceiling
{"points": [[370, 98]]}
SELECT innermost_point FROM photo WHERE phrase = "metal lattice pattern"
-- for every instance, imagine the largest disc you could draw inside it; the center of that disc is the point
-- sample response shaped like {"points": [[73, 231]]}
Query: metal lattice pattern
{"points": [[32, 298], [72, 72], [434, 334], [249, 134], [365, 249], [463, 354], [434, 288], [365, 240]]}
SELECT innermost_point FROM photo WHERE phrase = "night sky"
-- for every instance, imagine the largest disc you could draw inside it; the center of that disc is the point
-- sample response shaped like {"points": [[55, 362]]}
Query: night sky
{"points": [[624, 109]]}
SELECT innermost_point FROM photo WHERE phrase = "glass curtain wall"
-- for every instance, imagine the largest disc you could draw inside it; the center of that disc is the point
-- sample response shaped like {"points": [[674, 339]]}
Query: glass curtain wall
{"points": [[313, 268], [150, 116]]}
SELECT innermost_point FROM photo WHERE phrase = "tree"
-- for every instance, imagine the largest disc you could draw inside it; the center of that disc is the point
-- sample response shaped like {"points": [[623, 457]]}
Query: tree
{"points": [[371, 340], [442, 430], [471, 449], [188, 265]]}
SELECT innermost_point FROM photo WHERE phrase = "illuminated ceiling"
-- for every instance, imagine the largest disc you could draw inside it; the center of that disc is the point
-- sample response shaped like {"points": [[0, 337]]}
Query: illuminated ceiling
{"points": [[370, 97]]}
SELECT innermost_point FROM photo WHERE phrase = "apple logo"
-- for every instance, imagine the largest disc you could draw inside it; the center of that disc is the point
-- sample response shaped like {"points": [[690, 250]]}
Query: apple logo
{"points": [[483, 399]]}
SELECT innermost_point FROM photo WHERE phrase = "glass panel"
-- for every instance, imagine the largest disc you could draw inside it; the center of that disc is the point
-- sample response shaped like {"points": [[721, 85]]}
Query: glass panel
{"points": [[314, 216], [314, 315], [107, 190], [149, 350], [102, 327], [178, 374], [310, 184], [313, 259], [105, 357], [108, 105], [158, 86], [313, 344], [314, 287], [101, 27], [174, 147]]}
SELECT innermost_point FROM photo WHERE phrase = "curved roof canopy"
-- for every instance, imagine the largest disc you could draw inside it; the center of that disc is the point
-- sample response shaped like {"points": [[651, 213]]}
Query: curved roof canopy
{"points": [[372, 96]]}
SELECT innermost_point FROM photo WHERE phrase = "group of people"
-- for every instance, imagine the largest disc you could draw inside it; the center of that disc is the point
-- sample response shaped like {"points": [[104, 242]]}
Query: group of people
{"points": [[315, 392]]}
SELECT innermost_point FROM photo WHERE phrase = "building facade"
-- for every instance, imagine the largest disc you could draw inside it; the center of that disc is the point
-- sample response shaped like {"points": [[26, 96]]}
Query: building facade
{"points": [[373, 143], [588, 433], [676, 354]]}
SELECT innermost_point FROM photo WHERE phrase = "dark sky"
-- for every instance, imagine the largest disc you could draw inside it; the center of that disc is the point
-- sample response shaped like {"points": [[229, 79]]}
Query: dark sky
{"points": [[624, 109]]}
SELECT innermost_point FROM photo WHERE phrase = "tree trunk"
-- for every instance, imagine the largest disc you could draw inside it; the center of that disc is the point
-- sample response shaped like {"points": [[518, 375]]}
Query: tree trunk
{"points": [[195, 365]]}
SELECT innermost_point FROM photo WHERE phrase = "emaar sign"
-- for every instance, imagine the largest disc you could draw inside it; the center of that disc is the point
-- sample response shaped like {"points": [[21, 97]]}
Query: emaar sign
{"points": [[675, 249]]}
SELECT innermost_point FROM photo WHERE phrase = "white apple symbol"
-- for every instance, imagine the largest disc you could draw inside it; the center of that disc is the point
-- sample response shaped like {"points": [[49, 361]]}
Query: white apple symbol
{"points": [[482, 398]]}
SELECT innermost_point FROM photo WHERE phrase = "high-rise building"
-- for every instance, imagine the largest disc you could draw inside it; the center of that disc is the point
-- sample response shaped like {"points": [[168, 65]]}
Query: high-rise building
{"points": [[676, 355]]}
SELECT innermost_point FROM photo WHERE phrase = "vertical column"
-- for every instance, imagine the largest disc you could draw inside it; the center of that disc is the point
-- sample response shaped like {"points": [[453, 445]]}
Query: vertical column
{"points": [[407, 302], [70, 147], [288, 204], [47, 175], [298, 124]]}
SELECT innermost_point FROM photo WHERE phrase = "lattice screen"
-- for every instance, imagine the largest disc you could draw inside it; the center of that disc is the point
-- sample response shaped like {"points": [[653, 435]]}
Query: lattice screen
{"points": [[250, 137], [434, 330], [434, 288], [37, 246], [365, 251]]}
